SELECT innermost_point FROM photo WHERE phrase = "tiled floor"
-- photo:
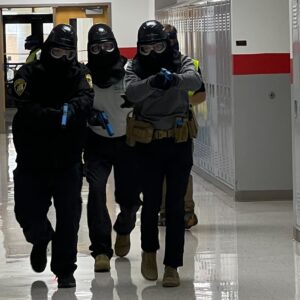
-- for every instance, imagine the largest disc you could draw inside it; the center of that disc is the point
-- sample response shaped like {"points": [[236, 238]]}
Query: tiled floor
{"points": [[238, 251]]}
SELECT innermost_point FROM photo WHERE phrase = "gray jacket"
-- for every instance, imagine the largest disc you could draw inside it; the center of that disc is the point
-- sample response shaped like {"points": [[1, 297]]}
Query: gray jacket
{"points": [[157, 106]]}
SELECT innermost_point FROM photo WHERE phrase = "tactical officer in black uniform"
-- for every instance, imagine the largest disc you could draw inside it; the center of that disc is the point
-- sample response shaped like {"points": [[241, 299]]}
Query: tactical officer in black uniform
{"points": [[106, 149], [158, 81], [54, 97], [32, 43]]}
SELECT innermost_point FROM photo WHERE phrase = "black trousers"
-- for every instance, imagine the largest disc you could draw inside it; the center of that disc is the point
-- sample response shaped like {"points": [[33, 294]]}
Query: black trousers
{"points": [[159, 159], [101, 154], [33, 193]]}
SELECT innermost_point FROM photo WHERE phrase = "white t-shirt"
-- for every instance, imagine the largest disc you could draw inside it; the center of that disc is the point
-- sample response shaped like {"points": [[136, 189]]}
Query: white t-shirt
{"points": [[109, 100]]}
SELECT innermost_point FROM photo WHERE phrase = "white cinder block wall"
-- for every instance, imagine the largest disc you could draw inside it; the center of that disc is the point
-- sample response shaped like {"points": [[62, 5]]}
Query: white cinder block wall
{"points": [[261, 81], [263, 23]]}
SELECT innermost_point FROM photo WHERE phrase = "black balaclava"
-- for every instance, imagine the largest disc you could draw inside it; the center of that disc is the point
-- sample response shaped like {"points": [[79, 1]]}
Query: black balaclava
{"points": [[145, 65], [32, 42], [62, 36], [173, 36], [106, 67]]}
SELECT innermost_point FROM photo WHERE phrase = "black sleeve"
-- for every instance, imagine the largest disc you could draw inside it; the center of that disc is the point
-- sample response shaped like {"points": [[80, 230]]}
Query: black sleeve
{"points": [[25, 96], [26, 101], [82, 102]]}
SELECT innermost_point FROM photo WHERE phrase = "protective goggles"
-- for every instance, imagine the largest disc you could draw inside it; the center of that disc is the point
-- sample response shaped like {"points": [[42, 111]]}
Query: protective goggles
{"points": [[158, 47], [58, 53], [105, 46]]}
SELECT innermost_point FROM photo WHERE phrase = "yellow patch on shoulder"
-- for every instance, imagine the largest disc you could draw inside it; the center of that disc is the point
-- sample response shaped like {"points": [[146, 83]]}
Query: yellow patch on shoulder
{"points": [[89, 80], [20, 86]]}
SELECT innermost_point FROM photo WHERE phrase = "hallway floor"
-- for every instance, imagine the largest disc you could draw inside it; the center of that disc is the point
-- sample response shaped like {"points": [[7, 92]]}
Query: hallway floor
{"points": [[237, 251]]}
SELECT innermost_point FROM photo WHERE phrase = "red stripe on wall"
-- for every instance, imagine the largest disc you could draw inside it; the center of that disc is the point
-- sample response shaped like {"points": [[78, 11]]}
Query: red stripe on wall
{"points": [[128, 52], [265, 63], [292, 70]]}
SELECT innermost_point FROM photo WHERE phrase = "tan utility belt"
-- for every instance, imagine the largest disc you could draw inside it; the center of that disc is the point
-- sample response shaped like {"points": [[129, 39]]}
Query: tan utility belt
{"points": [[161, 134], [144, 132]]}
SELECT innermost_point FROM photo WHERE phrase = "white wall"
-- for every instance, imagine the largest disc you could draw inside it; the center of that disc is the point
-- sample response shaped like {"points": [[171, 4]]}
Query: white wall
{"points": [[264, 24], [127, 15]]}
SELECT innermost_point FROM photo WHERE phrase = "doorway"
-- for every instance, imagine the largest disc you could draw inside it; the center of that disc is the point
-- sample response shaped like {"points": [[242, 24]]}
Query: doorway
{"points": [[15, 23], [16, 27]]}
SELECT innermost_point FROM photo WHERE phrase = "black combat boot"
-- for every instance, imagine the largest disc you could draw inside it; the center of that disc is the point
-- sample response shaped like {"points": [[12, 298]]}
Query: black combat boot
{"points": [[38, 257], [66, 281]]}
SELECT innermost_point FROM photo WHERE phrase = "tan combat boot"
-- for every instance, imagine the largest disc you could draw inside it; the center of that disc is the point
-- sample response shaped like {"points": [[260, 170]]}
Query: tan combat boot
{"points": [[122, 245], [190, 220], [102, 263], [171, 277], [149, 266]]}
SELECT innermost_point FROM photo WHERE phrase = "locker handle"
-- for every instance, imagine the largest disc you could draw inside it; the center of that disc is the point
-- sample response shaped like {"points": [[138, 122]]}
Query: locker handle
{"points": [[295, 109]]}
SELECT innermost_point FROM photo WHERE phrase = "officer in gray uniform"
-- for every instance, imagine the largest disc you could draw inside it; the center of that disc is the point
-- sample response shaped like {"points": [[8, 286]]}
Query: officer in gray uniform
{"points": [[106, 148], [161, 128]]}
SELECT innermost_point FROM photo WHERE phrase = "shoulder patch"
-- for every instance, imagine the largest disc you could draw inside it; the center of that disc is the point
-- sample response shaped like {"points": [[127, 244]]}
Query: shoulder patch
{"points": [[88, 78], [20, 86]]}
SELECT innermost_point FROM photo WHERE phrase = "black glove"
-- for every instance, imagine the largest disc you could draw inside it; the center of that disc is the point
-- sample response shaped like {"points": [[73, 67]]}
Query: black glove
{"points": [[94, 119], [127, 103], [51, 115], [159, 81], [175, 80]]}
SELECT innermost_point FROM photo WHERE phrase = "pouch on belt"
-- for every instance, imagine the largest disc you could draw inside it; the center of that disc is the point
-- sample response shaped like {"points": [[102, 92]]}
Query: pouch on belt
{"points": [[192, 125], [138, 131], [181, 130]]}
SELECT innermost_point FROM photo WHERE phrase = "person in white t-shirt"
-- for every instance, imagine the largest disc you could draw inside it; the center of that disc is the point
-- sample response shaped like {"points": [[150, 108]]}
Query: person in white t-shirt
{"points": [[106, 148]]}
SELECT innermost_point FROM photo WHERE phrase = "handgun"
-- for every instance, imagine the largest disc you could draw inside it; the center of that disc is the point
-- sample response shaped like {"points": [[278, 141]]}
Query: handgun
{"points": [[105, 122], [168, 75], [64, 118]]}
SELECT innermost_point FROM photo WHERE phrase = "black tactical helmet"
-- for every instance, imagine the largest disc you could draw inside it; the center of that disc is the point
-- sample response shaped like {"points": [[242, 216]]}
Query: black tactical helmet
{"points": [[100, 33], [32, 42], [151, 31], [62, 36]]}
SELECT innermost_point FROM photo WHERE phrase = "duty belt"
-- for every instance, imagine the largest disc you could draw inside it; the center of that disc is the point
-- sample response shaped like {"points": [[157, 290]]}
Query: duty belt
{"points": [[161, 134]]}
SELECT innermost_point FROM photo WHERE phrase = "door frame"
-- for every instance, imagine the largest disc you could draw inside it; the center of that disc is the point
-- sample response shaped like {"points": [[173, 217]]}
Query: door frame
{"points": [[54, 7]]}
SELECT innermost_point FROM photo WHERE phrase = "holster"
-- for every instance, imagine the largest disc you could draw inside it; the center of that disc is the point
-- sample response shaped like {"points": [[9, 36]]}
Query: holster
{"points": [[181, 132], [138, 131], [192, 125], [129, 131]]}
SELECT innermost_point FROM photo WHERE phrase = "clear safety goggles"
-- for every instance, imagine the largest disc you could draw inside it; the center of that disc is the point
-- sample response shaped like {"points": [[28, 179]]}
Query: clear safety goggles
{"points": [[105, 46], [58, 53], [158, 47]]}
